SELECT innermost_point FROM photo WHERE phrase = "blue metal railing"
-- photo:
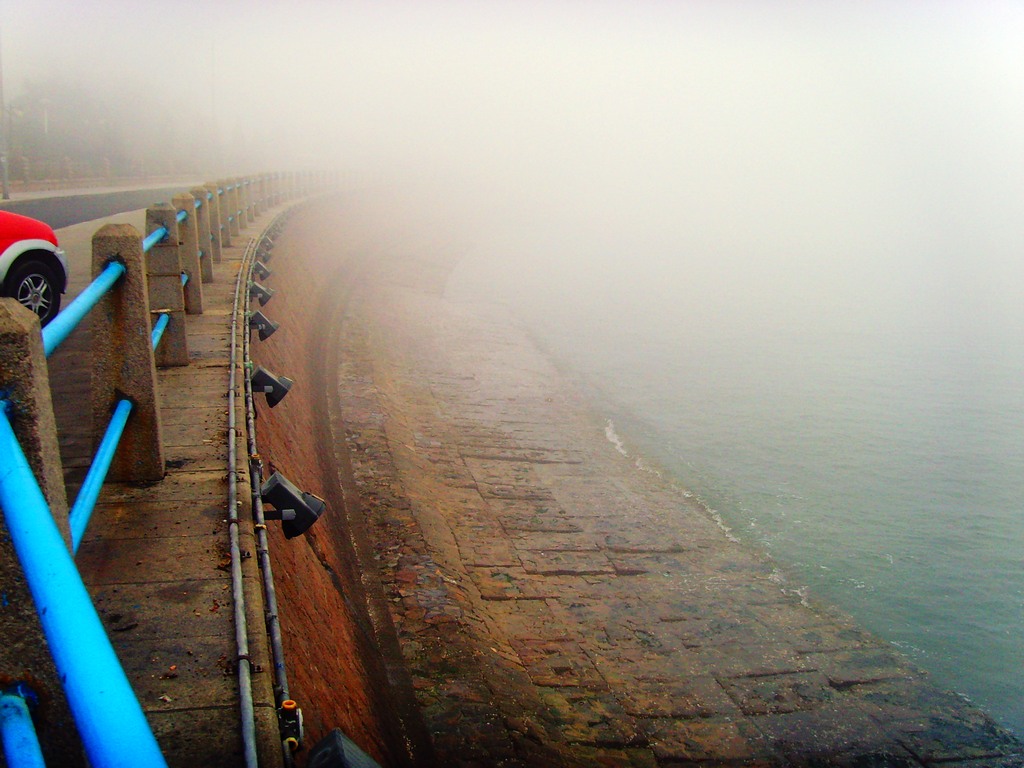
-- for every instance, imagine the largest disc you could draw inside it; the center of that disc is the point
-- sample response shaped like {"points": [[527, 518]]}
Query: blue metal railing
{"points": [[158, 235], [21, 744], [63, 324], [158, 329], [85, 502], [110, 720]]}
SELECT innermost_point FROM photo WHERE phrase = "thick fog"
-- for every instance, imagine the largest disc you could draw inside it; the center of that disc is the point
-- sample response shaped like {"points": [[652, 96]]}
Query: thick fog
{"points": [[781, 163]]}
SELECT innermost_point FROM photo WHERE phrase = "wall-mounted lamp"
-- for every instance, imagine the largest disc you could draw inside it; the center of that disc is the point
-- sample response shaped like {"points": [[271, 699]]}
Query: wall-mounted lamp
{"points": [[336, 749], [275, 387], [263, 250], [262, 270], [266, 327], [297, 510], [259, 292]]}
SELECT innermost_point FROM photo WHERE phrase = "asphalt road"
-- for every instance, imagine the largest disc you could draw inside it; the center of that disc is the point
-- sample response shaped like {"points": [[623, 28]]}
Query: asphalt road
{"points": [[62, 211]]}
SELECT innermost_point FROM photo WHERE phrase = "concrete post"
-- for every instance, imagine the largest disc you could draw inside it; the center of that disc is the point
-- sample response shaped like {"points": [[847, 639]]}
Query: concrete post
{"points": [[243, 222], [258, 203], [25, 384], [123, 364], [247, 204], [163, 272], [24, 653], [231, 195], [220, 190], [188, 252], [206, 254]]}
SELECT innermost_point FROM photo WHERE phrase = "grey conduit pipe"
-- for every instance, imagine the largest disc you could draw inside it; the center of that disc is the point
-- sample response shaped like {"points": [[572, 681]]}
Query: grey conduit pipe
{"points": [[237, 591], [255, 471]]}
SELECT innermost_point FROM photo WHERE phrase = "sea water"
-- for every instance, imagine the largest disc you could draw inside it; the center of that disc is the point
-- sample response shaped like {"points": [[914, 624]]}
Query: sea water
{"points": [[882, 468]]}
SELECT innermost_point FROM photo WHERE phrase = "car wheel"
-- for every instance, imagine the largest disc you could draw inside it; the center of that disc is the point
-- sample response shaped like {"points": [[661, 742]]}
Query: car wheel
{"points": [[34, 285]]}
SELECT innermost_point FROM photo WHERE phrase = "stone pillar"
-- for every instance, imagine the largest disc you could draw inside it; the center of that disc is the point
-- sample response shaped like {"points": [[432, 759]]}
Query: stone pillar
{"points": [[231, 195], [163, 271], [216, 221], [258, 203], [224, 205], [206, 255], [250, 204], [25, 384], [24, 653], [123, 364], [188, 252], [240, 202]]}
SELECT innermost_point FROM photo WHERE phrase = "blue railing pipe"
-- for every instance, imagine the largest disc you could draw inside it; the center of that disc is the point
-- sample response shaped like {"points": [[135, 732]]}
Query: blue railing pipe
{"points": [[199, 203], [181, 216], [110, 721], [158, 235], [85, 503], [21, 744], [158, 329], [63, 324]]}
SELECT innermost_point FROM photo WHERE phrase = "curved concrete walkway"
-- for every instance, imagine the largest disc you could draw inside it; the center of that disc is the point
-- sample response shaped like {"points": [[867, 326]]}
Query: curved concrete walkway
{"points": [[155, 558]]}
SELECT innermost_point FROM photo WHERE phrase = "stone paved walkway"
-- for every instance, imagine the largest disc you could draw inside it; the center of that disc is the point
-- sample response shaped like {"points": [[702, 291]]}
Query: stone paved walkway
{"points": [[155, 557], [559, 606]]}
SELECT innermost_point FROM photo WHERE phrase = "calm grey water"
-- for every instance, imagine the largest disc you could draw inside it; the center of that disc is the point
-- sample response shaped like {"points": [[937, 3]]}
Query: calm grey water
{"points": [[882, 468]]}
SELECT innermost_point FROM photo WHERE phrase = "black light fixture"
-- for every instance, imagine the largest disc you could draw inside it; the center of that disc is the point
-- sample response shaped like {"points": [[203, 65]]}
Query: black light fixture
{"points": [[259, 292], [263, 250], [262, 270], [337, 750], [273, 386], [260, 322], [296, 509]]}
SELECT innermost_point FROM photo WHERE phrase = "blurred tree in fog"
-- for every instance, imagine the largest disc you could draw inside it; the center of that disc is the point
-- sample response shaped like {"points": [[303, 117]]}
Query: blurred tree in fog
{"points": [[63, 130]]}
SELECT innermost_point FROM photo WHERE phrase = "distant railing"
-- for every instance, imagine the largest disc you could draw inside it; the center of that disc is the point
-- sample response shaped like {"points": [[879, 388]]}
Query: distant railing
{"points": [[143, 288]]}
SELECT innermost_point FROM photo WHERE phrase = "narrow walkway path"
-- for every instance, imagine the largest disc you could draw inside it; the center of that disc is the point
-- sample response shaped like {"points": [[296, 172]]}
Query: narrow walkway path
{"points": [[155, 558]]}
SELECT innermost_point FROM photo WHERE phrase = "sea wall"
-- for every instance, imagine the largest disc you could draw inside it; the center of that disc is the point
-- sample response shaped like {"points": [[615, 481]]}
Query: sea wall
{"points": [[341, 654]]}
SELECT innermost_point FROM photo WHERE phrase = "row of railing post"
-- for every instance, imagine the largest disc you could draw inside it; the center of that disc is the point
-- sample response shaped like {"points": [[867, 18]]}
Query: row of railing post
{"points": [[162, 280]]}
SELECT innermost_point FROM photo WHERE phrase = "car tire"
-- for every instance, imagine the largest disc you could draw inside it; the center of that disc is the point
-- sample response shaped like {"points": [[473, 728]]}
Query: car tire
{"points": [[33, 284]]}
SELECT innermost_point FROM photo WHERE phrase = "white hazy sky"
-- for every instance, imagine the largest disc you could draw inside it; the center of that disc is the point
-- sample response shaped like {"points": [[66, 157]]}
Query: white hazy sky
{"points": [[812, 152]]}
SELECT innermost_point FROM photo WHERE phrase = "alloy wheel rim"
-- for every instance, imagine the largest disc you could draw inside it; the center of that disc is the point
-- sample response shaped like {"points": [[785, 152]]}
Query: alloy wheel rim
{"points": [[34, 293]]}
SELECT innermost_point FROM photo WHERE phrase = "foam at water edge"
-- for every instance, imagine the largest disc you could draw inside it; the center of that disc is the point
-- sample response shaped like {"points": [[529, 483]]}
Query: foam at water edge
{"points": [[614, 439]]}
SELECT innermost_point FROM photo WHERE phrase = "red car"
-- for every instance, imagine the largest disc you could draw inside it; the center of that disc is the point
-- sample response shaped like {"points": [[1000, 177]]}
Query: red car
{"points": [[33, 267]]}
